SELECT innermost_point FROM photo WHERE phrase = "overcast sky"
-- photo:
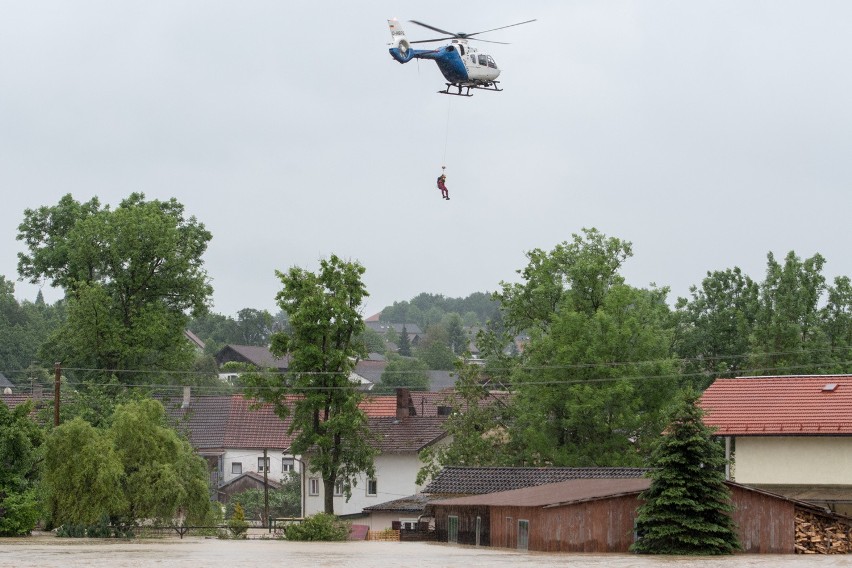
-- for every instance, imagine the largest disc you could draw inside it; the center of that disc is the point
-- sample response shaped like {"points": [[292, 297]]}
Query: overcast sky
{"points": [[707, 133]]}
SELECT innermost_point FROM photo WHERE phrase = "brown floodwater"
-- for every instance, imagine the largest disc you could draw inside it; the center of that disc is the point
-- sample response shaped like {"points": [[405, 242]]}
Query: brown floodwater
{"points": [[51, 552]]}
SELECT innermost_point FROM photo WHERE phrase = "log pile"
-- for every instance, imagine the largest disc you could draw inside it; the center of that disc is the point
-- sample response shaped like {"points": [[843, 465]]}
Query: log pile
{"points": [[821, 535]]}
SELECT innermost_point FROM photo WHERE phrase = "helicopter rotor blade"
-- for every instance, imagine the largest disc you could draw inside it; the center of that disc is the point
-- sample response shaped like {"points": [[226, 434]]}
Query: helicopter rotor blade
{"points": [[495, 29], [488, 41], [431, 40], [433, 28]]}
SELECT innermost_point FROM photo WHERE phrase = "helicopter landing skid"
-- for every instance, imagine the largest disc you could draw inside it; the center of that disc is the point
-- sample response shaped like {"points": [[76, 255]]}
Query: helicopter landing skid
{"points": [[485, 87]]}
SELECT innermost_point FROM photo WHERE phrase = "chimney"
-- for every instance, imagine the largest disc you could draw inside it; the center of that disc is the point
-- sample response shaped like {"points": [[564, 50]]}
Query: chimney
{"points": [[186, 395], [404, 404]]}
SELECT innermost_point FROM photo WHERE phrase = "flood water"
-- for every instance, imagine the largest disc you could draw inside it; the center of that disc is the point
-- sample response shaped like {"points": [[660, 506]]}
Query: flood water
{"points": [[194, 552]]}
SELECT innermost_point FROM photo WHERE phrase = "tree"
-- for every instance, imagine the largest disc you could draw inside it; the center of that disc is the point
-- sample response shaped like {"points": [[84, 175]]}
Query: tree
{"points": [[687, 508], [788, 337], [130, 275], [82, 475], [406, 372], [20, 453], [476, 427], [596, 374], [457, 339], [836, 318], [714, 328], [283, 502], [24, 327], [434, 349], [136, 469], [404, 345], [324, 320]]}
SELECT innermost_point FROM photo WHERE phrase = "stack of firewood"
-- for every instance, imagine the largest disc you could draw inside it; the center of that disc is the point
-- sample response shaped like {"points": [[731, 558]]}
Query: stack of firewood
{"points": [[821, 535]]}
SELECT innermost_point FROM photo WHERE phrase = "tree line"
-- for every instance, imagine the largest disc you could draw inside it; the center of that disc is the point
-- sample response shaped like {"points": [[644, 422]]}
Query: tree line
{"points": [[591, 384]]}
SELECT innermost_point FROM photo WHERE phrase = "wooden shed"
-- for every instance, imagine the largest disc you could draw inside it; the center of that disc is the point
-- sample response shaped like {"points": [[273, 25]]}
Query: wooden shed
{"points": [[598, 515]]}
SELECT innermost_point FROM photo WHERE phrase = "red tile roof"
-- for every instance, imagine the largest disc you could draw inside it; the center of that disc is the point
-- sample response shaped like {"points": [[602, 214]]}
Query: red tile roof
{"points": [[790, 405], [378, 406], [253, 426]]}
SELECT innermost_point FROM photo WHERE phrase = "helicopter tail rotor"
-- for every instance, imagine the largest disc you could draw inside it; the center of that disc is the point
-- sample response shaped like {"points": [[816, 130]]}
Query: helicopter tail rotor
{"points": [[400, 46]]}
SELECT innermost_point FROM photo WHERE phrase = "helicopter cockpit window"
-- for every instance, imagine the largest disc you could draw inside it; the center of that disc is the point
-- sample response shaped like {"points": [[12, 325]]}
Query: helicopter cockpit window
{"points": [[473, 59], [491, 62], [483, 60]]}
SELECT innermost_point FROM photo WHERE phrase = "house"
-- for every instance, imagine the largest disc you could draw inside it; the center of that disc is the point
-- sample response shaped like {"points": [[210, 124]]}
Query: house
{"points": [[232, 433], [400, 437], [599, 514], [244, 482], [254, 355], [194, 340], [5, 383], [790, 435]]}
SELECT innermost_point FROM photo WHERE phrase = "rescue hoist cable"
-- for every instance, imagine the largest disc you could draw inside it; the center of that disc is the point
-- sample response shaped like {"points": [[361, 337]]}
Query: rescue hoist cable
{"points": [[447, 135]]}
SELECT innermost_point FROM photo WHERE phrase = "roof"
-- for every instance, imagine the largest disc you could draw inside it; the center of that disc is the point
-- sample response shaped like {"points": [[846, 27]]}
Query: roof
{"points": [[204, 421], [194, 339], [253, 425], [371, 369], [555, 494], [376, 406], [479, 480], [257, 478], [440, 380], [14, 400], [5, 382], [411, 504], [259, 356], [787, 405], [412, 434]]}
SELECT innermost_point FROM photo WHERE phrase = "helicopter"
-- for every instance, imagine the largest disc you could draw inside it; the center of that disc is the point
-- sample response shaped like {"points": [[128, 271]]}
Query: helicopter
{"points": [[463, 67]]}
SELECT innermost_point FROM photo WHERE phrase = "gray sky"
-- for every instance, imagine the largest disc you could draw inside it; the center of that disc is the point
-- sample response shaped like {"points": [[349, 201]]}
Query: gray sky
{"points": [[707, 133]]}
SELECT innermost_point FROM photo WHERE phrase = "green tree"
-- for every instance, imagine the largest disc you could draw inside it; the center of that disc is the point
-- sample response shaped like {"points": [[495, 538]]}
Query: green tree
{"points": [[476, 427], [20, 452], [714, 327], [434, 349], [82, 477], [24, 328], [330, 427], [237, 524], [836, 317], [283, 502], [136, 469], [457, 339], [131, 277], [372, 340], [404, 343], [788, 337], [596, 375], [407, 372], [687, 508]]}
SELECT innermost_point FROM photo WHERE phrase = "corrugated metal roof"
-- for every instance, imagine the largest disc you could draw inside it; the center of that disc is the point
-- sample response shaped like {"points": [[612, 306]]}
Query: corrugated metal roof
{"points": [[555, 494], [787, 405]]}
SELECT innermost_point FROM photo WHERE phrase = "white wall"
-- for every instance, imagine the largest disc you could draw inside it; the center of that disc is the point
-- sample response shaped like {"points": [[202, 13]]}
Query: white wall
{"points": [[794, 460], [249, 460], [395, 475]]}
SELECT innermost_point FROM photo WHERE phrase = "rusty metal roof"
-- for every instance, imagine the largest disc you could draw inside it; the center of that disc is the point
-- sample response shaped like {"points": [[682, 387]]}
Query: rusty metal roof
{"points": [[556, 494]]}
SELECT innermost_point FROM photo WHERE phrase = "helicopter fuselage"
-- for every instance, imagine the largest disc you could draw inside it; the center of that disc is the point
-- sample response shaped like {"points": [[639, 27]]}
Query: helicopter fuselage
{"points": [[460, 64]]}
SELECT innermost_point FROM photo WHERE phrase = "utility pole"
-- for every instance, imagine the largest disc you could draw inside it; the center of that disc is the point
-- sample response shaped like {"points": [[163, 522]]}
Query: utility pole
{"points": [[57, 377], [266, 490]]}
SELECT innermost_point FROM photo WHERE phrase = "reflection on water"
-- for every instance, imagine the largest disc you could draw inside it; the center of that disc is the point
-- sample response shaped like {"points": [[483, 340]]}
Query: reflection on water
{"points": [[50, 552]]}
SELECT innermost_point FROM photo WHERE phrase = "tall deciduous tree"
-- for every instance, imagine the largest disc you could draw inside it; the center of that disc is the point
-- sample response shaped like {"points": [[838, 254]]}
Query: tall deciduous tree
{"points": [[324, 319], [407, 372], [131, 277], [787, 336], [597, 373], [714, 327], [687, 508]]}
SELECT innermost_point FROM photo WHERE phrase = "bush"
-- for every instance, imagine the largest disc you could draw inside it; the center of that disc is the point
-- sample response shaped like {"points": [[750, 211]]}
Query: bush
{"points": [[237, 524], [321, 526]]}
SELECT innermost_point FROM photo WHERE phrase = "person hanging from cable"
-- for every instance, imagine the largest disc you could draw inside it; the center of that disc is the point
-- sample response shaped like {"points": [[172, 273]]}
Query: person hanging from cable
{"points": [[442, 185]]}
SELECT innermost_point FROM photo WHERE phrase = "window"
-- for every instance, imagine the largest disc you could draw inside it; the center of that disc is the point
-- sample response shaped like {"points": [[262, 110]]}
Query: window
{"points": [[491, 62], [338, 488], [262, 464], [287, 465], [483, 60], [236, 467], [313, 486], [372, 487]]}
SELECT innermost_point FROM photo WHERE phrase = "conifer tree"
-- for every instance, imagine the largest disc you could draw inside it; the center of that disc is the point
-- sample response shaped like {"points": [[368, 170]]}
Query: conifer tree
{"points": [[687, 508], [404, 344]]}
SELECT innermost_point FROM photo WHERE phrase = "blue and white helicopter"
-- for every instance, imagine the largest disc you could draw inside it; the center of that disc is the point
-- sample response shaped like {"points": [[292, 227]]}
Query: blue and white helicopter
{"points": [[463, 67]]}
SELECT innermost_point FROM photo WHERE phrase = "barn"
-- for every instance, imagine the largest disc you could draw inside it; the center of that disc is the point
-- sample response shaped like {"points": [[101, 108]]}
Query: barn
{"points": [[598, 515]]}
